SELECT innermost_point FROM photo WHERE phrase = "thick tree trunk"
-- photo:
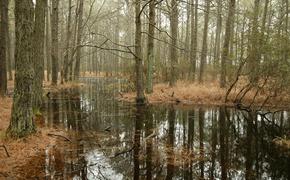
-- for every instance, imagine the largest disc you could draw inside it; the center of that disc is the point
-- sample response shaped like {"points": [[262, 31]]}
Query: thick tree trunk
{"points": [[79, 39], [173, 33], [3, 46], [22, 122], [38, 47], [150, 54], [140, 99], [54, 36], [203, 57], [225, 52]]}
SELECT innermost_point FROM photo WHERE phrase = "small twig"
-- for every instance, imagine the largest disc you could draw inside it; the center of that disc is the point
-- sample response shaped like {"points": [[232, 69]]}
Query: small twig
{"points": [[4, 147], [57, 135]]}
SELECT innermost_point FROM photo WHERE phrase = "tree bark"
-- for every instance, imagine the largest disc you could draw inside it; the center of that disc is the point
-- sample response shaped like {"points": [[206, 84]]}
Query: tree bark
{"points": [[217, 47], [140, 99], [54, 36], [3, 46], [38, 46], [173, 33], [254, 43], [79, 39], [150, 54], [9, 38], [194, 31], [225, 52], [203, 57], [22, 122], [48, 41], [68, 37]]}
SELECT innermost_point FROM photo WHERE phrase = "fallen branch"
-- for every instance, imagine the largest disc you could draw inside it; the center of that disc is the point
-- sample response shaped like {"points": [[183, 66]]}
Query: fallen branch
{"points": [[124, 152], [57, 135], [4, 147]]}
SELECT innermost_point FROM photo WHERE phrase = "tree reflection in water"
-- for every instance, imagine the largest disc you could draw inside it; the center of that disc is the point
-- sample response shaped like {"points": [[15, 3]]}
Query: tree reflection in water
{"points": [[163, 142]]}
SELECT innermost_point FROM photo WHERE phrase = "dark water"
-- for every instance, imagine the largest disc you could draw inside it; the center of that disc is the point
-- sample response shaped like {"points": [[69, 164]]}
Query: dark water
{"points": [[116, 140]]}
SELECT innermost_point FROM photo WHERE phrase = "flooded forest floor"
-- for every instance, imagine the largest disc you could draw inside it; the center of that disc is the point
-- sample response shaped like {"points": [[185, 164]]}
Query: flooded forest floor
{"points": [[86, 133], [24, 158]]}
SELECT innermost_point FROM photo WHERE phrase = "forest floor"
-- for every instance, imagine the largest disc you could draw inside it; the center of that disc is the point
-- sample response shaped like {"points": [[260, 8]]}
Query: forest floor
{"points": [[26, 157], [188, 93]]}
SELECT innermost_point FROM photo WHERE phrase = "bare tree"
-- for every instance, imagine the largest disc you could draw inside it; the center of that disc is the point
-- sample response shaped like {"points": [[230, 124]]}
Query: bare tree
{"points": [[68, 37], [79, 39], [173, 33], [140, 99], [150, 54], [3, 46], [38, 46], [54, 36], [203, 57], [225, 52]]}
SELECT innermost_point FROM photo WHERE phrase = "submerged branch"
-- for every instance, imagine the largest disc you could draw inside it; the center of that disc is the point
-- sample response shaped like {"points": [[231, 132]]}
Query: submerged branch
{"points": [[124, 152], [58, 135]]}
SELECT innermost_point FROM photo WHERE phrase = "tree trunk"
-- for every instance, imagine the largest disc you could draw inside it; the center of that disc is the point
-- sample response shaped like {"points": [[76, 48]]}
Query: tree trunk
{"points": [[79, 39], [74, 42], [173, 33], [38, 47], [225, 52], [187, 32], [48, 41], [194, 29], [68, 36], [140, 99], [254, 43], [22, 122], [9, 52], [150, 54], [3, 46], [54, 36], [217, 47], [203, 57]]}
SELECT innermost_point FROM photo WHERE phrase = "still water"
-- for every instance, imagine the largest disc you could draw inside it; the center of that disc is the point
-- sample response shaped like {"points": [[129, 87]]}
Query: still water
{"points": [[116, 140]]}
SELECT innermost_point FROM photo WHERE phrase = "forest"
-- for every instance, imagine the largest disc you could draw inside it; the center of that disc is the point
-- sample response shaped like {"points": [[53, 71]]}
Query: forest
{"points": [[144, 89]]}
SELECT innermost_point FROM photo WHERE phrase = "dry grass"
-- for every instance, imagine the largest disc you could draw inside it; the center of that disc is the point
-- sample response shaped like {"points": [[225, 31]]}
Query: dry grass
{"points": [[93, 74], [282, 142], [202, 94]]}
